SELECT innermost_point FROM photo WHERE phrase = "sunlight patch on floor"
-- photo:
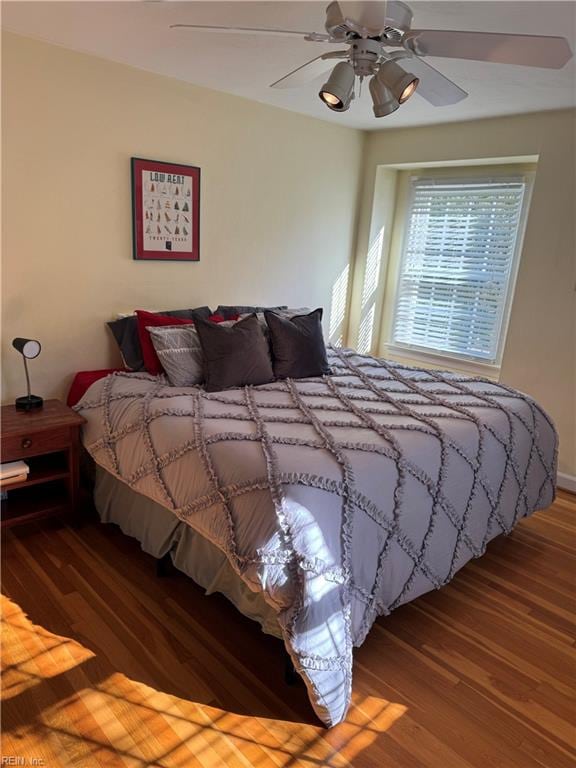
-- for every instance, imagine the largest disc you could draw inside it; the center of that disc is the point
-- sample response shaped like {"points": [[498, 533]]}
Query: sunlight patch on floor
{"points": [[61, 700]]}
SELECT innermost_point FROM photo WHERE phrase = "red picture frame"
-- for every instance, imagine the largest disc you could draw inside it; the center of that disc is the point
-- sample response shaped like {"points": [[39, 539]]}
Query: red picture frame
{"points": [[165, 211]]}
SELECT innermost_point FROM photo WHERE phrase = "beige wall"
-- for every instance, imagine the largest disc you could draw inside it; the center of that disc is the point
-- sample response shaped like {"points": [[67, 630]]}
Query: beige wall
{"points": [[277, 212], [540, 352]]}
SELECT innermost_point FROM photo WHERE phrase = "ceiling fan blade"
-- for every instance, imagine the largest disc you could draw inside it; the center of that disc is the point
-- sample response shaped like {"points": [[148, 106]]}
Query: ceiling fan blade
{"points": [[247, 30], [435, 87], [309, 71], [526, 50]]}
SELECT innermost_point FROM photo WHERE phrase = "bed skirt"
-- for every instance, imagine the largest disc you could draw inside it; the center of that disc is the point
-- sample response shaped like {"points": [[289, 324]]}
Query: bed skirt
{"points": [[160, 532]]}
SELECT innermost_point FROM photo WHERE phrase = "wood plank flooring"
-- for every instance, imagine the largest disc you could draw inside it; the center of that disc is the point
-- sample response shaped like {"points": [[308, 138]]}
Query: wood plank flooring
{"points": [[106, 665]]}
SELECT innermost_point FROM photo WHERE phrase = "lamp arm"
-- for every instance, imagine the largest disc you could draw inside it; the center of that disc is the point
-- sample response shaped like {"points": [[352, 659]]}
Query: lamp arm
{"points": [[27, 375]]}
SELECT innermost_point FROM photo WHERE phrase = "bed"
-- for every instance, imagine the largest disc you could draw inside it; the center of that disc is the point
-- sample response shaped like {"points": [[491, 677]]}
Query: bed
{"points": [[317, 505]]}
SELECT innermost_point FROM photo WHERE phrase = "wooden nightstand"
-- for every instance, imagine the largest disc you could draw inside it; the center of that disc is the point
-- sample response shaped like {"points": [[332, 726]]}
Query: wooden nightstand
{"points": [[48, 440]]}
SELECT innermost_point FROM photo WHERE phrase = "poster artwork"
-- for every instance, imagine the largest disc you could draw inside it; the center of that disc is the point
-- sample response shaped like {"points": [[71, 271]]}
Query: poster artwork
{"points": [[167, 204], [165, 210]]}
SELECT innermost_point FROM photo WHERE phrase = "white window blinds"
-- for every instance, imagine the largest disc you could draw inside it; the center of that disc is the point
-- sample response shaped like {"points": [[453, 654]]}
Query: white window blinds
{"points": [[457, 266]]}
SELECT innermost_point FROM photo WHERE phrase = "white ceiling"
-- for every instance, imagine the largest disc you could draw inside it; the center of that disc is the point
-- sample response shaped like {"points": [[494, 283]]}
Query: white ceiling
{"points": [[137, 33]]}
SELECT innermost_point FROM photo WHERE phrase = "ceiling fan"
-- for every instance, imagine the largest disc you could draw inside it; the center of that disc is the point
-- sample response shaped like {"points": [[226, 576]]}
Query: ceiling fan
{"points": [[370, 29]]}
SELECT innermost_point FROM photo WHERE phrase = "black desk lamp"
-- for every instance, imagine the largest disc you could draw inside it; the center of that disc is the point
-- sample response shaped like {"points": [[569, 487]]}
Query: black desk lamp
{"points": [[29, 349]]}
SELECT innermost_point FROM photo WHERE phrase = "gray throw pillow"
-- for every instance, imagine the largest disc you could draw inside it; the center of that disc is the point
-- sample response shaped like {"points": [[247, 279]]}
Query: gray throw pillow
{"points": [[283, 312], [234, 356], [180, 354], [125, 332], [298, 348]]}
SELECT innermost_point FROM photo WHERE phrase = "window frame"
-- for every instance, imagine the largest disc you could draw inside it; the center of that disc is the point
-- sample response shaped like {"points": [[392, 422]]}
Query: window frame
{"points": [[427, 355]]}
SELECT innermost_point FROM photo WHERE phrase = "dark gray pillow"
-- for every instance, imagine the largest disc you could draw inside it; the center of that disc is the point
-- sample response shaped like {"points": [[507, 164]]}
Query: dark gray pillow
{"points": [[234, 356], [125, 332], [227, 311], [298, 348]]}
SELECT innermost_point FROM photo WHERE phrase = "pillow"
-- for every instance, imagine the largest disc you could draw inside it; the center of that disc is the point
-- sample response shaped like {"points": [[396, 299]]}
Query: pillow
{"points": [[298, 349], [291, 311], [283, 312], [125, 332], [179, 351], [234, 356], [147, 320], [216, 318], [228, 311]]}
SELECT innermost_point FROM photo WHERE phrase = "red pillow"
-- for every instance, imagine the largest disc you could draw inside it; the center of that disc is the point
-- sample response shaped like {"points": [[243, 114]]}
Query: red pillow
{"points": [[151, 361], [83, 380], [221, 319]]}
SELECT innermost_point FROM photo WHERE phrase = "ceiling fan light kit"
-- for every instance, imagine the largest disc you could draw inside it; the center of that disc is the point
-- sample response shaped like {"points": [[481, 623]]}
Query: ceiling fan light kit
{"points": [[402, 84], [369, 29], [383, 100], [338, 91]]}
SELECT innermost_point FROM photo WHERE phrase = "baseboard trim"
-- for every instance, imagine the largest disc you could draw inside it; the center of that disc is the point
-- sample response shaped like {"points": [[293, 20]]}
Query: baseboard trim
{"points": [[566, 482]]}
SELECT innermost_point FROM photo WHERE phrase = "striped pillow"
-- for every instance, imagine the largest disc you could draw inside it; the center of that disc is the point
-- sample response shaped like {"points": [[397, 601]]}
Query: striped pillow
{"points": [[180, 354]]}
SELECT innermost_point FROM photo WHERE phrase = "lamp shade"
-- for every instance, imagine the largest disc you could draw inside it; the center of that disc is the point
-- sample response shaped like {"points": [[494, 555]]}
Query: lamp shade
{"points": [[402, 84], [337, 92], [29, 348], [383, 100]]}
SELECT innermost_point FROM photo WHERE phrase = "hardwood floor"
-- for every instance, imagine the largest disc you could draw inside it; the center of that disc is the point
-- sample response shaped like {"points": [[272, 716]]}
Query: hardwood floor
{"points": [[106, 665]]}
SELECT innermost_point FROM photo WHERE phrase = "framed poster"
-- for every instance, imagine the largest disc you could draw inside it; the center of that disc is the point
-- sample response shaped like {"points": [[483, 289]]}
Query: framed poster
{"points": [[165, 210]]}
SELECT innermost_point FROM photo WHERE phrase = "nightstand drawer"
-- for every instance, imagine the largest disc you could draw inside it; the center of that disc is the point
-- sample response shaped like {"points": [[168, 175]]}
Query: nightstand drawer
{"points": [[35, 443]]}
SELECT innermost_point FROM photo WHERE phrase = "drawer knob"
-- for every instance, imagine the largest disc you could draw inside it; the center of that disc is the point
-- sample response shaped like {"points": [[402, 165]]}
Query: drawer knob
{"points": [[26, 442]]}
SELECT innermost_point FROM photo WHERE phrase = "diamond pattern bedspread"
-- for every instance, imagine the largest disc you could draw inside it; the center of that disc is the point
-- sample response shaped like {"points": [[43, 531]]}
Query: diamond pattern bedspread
{"points": [[339, 498]]}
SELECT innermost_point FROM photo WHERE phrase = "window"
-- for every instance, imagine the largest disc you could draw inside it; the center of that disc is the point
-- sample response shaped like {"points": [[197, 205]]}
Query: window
{"points": [[458, 264]]}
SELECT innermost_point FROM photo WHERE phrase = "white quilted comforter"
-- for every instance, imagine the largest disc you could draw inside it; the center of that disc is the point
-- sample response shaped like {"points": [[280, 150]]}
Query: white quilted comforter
{"points": [[338, 498]]}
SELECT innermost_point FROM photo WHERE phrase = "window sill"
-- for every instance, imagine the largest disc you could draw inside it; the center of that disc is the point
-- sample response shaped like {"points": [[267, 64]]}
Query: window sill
{"points": [[440, 362]]}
